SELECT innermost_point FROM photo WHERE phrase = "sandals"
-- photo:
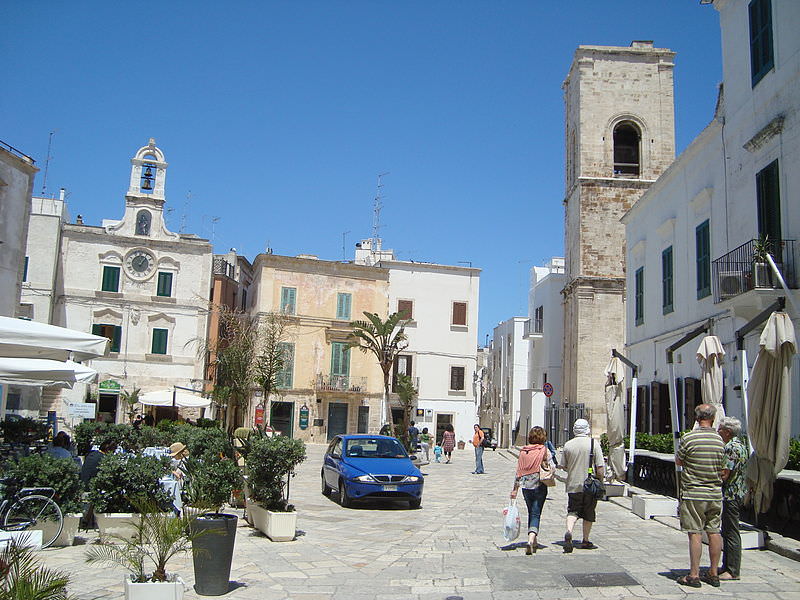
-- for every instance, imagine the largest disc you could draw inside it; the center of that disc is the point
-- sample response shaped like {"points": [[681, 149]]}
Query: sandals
{"points": [[712, 580], [567, 543], [727, 576], [689, 581], [586, 545]]}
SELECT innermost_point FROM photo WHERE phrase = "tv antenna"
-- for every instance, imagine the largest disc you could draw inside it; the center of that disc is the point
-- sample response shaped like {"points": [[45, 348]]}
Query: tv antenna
{"points": [[376, 210], [344, 254], [47, 162], [185, 210], [214, 221]]}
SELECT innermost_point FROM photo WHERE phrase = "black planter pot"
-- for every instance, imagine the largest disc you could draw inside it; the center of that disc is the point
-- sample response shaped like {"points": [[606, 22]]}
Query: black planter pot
{"points": [[213, 553]]}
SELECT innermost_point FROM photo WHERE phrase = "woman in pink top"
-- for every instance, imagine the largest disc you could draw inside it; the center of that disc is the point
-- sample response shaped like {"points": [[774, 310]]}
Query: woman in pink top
{"points": [[527, 478]]}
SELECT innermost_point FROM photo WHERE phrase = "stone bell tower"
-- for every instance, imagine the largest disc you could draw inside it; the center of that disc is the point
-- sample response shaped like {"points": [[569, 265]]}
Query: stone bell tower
{"points": [[620, 136]]}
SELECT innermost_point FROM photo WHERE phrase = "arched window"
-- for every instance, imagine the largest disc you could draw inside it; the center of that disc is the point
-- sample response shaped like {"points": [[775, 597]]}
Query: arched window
{"points": [[626, 149], [143, 219]]}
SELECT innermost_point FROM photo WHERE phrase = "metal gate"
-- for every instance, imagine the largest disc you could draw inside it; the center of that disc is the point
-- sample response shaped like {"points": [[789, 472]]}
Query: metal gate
{"points": [[558, 421]]}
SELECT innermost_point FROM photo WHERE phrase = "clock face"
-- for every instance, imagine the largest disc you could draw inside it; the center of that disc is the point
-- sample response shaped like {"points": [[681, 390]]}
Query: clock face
{"points": [[140, 264]]}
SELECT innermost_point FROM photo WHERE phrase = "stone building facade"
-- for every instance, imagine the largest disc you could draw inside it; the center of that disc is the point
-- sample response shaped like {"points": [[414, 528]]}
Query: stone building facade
{"points": [[619, 138]]}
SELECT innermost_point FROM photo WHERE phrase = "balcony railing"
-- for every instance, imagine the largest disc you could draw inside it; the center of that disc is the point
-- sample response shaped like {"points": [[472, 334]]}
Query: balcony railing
{"points": [[340, 383], [533, 328], [220, 266], [742, 270]]}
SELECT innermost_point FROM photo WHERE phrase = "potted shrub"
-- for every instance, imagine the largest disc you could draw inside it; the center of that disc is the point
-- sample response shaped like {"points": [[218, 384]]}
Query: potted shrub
{"points": [[270, 464], [122, 481], [157, 538], [61, 474], [23, 578], [22, 431], [762, 277]]}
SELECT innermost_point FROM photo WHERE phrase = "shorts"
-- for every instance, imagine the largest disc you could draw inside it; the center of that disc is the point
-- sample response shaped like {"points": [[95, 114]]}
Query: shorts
{"points": [[582, 505], [700, 515]]}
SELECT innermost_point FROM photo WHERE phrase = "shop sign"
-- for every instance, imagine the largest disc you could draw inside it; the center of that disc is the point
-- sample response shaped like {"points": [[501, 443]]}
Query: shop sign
{"points": [[109, 385], [304, 417], [83, 410], [259, 415]]}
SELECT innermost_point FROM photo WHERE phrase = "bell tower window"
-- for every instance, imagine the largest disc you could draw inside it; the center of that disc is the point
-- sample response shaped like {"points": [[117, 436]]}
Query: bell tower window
{"points": [[148, 178], [626, 149], [143, 220]]}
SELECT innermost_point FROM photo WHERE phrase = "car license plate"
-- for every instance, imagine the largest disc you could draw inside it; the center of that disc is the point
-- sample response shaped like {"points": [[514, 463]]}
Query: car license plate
{"points": [[390, 488]]}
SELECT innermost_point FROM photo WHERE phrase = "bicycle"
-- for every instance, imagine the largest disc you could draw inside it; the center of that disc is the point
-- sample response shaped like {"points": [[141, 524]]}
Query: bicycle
{"points": [[33, 508]]}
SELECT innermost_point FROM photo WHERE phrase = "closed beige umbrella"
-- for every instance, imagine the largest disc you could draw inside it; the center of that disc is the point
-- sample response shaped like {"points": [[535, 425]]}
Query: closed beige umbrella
{"points": [[710, 355], [615, 417], [769, 408]]}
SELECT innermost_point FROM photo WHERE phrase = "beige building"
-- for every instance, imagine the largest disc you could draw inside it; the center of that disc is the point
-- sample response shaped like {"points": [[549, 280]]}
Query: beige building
{"points": [[327, 389], [619, 139]]}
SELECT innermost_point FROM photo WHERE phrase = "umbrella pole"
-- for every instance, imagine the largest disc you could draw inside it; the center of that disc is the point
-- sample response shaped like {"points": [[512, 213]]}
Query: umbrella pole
{"points": [[745, 401], [676, 432], [632, 441]]}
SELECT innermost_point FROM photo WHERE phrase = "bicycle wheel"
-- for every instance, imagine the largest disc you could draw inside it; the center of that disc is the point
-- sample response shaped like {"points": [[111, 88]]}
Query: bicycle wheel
{"points": [[30, 513]]}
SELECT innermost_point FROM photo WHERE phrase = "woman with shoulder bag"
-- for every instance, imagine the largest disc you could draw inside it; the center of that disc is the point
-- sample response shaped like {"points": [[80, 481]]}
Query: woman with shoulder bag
{"points": [[534, 475]]}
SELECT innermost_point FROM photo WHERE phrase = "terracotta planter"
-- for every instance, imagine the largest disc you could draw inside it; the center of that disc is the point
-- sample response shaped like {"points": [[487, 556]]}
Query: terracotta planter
{"points": [[167, 590]]}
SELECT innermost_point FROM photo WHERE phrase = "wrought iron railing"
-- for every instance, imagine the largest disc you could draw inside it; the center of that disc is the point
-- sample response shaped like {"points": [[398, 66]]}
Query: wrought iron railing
{"points": [[533, 326], [744, 269], [340, 383], [220, 266], [558, 421]]}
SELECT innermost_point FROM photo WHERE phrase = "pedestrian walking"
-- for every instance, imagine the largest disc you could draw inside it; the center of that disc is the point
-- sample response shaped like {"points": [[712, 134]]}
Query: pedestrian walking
{"points": [[386, 429], [425, 440], [448, 442], [582, 455], [413, 436], [477, 442], [702, 456], [529, 463], [733, 490]]}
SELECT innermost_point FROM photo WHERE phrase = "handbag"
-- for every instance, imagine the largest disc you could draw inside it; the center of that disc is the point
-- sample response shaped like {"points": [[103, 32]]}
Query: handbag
{"points": [[547, 473], [511, 522], [592, 486]]}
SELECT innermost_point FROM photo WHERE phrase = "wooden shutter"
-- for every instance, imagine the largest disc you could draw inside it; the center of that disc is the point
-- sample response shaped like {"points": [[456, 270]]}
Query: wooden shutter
{"points": [[457, 378], [343, 305], [110, 279], [459, 313], [159, 341], [116, 339], [405, 308], [703, 260], [164, 284], [288, 299], [340, 359]]}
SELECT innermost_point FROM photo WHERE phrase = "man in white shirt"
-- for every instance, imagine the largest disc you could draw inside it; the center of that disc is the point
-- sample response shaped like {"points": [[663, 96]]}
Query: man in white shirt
{"points": [[576, 462]]}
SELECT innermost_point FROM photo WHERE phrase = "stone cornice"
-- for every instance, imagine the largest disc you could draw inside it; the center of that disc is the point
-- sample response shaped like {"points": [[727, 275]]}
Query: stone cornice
{"points": [[765, 134]]}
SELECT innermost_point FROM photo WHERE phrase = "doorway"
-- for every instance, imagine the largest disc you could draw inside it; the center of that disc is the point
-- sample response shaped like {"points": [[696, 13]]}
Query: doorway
{"points": [[337, 419], [442, 420], [107, 408], [281, 417], [363, 419]]}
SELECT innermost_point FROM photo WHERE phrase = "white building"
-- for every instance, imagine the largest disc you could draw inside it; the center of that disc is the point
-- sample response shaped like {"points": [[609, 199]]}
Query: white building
{"points": [[544, 331], [509, 364], [690, 238], [441, 303]]}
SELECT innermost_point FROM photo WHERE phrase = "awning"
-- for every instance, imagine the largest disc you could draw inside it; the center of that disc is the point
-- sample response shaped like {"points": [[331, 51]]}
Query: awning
{"points": [[182, 399], [28, 339], [43, 372]]}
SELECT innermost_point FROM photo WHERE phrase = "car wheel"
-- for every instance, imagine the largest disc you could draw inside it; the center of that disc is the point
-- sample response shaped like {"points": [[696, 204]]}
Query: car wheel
{"points": [[326, 489], [344, 499], [415, 503]]}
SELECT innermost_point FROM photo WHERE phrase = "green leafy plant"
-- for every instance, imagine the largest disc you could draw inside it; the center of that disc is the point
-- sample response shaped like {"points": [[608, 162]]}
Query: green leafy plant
{"points": [[131, 399], [210, 481], [794, 454], [125, 480], [159, 537], [23, 430], [147, 437], [271, 461], [206, 423], [44, 470], [407, 394], [167, 425], [200, 441], [22, 577]]}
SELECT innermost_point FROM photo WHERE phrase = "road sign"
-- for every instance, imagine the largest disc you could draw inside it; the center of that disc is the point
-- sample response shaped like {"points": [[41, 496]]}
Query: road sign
{"points": [[547, 388]]}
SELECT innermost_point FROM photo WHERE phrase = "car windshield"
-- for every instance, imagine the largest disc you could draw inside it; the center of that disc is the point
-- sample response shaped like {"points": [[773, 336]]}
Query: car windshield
{"points": [[375, 448]]}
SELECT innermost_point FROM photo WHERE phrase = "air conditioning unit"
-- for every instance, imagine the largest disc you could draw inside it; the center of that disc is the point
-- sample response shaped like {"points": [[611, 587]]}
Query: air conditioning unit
{"points": [[730, 284]]}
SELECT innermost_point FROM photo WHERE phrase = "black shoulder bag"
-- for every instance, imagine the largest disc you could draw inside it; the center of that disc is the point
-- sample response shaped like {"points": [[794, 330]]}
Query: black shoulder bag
{"points": [[592, 485]]}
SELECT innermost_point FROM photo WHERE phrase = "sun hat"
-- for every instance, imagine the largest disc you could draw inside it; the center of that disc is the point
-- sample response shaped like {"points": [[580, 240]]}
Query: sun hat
{"points": [[176, 449]]}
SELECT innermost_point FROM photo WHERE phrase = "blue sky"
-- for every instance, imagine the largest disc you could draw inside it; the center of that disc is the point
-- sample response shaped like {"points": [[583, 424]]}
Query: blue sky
{"points": [[278, 117]]}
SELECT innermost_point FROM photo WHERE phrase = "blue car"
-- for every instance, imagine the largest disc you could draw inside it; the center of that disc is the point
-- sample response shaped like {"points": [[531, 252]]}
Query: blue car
{"points": [[370, 467]]}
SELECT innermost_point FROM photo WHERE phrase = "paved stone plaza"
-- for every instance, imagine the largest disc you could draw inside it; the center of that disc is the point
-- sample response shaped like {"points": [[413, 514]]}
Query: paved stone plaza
{"points": [[451, 548]]}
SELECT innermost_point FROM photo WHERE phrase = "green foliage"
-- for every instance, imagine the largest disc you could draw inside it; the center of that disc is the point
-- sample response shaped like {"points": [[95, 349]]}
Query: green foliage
{"points": [[210, 481], [84, 433], [131, 399], [207, 423], [123, 480], [794, 454], [23, 430], [270, 462], [201, 441], [44, 470], [167, 425], [407, 394], [23, 578], [158, 538], [241, 433], [148, 437]]}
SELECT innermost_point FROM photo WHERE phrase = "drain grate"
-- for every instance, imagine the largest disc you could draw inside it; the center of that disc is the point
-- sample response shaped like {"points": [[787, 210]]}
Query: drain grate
{"points": [[599, 579]]}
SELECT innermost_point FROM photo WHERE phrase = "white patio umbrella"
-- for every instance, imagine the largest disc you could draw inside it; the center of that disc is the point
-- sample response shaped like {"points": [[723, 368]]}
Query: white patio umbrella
{"points": [[769, 408], [615, 416], [710, 354], [182, 399], [43, 372], [28, 339]]}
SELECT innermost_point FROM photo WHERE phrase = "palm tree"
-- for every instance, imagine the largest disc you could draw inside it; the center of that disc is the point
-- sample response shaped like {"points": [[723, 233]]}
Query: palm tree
{"points": [[131, 399], [407, 393], [272, 356], [384, 339]]}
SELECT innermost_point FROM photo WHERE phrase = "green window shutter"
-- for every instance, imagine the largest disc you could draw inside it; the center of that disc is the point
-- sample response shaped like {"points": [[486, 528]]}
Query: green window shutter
{"points": [[761, 54], [159, 341], [25, 270], [164, 285], [288, 300], [340, 359], [284, 377], [768, 199], [666, 281], [703, 260], [343, 303], [116, 340], [110, 279], [97, 329], [639, 296]]}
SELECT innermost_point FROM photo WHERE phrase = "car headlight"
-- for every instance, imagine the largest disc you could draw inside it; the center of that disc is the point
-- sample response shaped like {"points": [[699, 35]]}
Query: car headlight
{"points": [[364, 478], [412, 479]]}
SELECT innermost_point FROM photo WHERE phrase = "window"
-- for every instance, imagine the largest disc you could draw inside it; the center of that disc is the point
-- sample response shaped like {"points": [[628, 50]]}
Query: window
{"points": [[457, 379], [666, 281], [343, 304], [13, 401], [768, 198], [459, 313], [703, 259], [403, 365], [284, 376], [761, 59], [244, 299], [626, 149], [638, 306], [164, 285], [288, 300], [538, 319], [340, 359], [110, 279], [25, 270], [406, 309], [112, 332], [160, 341]]}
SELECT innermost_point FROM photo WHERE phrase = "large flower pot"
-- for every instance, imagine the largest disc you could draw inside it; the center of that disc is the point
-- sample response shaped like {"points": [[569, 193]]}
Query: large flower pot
{"points": [[213, 552], [120, 524], [258, 515], [68, 531], [281, 526], [165, 590]]}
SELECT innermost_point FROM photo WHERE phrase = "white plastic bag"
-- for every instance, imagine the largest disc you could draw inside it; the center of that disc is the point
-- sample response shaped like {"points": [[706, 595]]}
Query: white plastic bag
{"points": [[511, 522]]}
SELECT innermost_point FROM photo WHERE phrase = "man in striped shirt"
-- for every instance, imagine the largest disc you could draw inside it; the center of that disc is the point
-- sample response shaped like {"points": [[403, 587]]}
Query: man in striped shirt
{"points": [[702, 456]]}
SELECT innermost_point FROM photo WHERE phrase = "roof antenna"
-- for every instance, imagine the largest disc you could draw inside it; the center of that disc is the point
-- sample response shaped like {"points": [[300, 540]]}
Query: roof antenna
{"points": [[185, 210], [344, 253], [376, 217], [47, 162]]}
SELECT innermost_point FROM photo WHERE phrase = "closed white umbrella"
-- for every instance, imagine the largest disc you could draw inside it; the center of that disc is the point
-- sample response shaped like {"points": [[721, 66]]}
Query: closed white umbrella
{"points": [[28, 339], [710, 354], [36, 371], [182, 399], [769, 408], [615, 416]]}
